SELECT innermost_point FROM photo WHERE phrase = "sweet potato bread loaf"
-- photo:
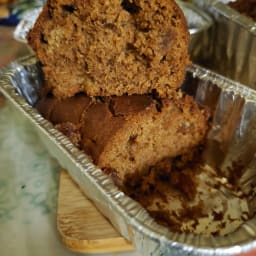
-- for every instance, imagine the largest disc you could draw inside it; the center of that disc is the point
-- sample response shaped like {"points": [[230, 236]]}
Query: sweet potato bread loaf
{"points": [[106, 48], [125, 135]]}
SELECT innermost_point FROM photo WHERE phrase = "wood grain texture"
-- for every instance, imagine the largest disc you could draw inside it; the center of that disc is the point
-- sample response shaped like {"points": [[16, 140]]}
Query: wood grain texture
{"points": [[81, 226]]}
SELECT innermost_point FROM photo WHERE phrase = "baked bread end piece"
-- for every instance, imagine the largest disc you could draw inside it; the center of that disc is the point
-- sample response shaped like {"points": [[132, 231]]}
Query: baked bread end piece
{"points": [[116, 47]]}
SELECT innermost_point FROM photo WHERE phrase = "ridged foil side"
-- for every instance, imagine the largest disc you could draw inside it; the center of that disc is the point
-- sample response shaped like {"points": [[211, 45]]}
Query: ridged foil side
{"points": [[200, 28], [234, 42], [232, 134]]}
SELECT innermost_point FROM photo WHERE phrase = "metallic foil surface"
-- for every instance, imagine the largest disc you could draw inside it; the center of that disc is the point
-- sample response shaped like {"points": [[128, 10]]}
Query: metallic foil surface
{"points": [[26, 23], [234, 42], [230, 152], [200, 28]]}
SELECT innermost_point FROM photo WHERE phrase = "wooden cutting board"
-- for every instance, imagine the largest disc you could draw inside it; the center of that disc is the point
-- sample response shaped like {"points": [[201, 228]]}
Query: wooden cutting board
{"points": [[81, 226]]}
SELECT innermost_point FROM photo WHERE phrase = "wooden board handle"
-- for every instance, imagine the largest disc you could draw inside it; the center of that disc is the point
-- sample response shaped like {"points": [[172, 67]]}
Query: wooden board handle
{"points": [[81, 226]]}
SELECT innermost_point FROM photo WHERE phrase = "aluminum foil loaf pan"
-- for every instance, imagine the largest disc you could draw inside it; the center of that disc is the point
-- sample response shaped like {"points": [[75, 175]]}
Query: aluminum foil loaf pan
{"points": [[229, 227], [234, 42]]}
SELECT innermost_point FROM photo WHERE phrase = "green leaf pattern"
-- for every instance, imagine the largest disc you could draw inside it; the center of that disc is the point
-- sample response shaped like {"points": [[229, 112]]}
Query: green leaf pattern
{"points": [[28, 175]]}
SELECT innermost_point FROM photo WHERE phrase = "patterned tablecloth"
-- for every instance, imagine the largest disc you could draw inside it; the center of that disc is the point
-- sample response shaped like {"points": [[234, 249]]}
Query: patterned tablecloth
{"points": [[9, 48]]}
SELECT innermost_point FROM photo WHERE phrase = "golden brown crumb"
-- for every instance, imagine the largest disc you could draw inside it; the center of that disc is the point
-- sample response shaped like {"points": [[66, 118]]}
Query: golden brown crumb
{"points": [[108, 48]]}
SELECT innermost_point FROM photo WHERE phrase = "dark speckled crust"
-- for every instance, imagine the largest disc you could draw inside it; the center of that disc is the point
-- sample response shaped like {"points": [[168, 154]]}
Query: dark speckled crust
{"points": [[127, 134], [103, 120]]}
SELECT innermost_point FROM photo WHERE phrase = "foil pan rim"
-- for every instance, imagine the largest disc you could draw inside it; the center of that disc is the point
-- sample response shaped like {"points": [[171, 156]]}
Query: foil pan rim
{"points": [[234, 15], [248, 93], [207, 19], [155, 231]]}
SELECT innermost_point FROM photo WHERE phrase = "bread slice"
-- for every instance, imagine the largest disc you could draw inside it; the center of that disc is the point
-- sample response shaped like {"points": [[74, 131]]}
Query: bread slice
{"points": [[116, 47], [127, 134]]}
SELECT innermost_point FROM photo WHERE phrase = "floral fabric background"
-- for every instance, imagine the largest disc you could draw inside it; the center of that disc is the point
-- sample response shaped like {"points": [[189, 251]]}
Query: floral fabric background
{"points": [[11, 11], [28, 191]]}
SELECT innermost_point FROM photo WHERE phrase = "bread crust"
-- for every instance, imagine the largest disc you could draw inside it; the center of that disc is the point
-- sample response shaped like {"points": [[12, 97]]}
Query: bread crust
{"points": [[127, 134]]}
